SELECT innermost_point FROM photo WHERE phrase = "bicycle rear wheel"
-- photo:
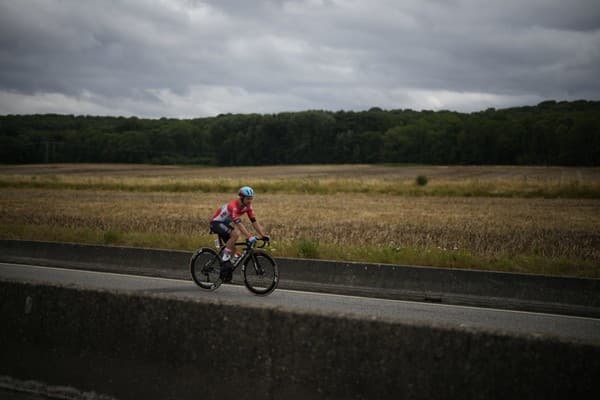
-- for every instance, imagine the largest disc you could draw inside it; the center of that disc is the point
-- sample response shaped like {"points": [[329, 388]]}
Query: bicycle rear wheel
{"points": [[261, 274], [205, 268]]}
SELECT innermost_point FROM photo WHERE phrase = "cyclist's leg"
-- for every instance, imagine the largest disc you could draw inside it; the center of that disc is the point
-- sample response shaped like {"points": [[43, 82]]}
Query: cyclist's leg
{"points": [[229, 250], [226, 232], [234, 234], [222, 229]]}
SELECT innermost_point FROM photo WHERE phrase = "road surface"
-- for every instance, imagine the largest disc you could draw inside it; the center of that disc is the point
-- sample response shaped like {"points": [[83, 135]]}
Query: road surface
{"points": [[586, 330]]}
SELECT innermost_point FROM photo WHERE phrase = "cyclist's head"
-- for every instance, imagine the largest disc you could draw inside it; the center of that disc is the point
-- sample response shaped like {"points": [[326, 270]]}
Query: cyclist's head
{"points": [[246, 191]]}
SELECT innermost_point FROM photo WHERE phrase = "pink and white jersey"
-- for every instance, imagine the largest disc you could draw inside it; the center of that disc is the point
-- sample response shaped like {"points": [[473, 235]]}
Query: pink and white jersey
{"points": [[231, 212]]}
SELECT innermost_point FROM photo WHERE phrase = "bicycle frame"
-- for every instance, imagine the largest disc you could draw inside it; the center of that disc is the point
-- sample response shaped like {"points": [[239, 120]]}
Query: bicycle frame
{"points": [[247, 252]]}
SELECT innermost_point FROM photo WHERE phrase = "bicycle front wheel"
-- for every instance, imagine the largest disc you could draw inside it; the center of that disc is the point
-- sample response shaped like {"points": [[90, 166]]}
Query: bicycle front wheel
{"points": [[261, 274], [205, 268]]}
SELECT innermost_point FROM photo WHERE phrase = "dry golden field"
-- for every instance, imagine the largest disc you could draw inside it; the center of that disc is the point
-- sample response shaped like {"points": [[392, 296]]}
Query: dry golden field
{"points": [[513, 233], [548, 182], [365, 171]]}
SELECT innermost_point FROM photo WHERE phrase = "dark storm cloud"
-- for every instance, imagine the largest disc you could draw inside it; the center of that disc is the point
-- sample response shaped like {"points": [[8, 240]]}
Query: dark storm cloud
{"points": [[190, 57], [72, 46]]}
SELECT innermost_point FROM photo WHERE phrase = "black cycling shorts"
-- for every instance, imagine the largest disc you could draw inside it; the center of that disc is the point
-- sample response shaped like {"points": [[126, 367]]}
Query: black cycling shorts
{"points": [[222, 229]]}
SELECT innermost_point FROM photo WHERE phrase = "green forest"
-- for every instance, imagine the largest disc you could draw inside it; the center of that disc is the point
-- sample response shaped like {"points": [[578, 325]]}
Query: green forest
{"points": [[550, 133]]}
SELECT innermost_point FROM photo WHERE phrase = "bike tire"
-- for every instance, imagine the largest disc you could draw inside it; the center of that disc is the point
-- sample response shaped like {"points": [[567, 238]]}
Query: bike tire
{"points": [[261, 274], [205, 268]]}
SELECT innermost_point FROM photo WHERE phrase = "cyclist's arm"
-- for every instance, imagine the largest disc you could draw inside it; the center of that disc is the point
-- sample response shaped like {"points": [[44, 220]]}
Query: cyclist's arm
{"points": [[258, 228], [242, 228]]}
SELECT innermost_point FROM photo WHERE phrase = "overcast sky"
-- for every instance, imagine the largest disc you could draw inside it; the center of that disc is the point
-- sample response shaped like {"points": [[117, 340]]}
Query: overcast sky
{"points": [[192, 58]]}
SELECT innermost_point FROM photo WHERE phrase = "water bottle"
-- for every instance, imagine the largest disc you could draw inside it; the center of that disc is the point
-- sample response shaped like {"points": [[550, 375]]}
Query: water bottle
{"points": [[217, 244], [235, 258]]}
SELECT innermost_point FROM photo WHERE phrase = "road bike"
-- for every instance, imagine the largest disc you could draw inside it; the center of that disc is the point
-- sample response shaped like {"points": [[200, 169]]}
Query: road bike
{"points": [[259, 269]]}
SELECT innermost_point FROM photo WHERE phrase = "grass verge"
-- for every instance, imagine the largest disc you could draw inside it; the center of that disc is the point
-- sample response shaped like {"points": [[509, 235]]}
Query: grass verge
{"points": [[308, 248], [316, 186]]}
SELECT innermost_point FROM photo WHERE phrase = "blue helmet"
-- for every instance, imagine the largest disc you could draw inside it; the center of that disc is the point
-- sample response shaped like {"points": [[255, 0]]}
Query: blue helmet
{"points": [[246, 191]]}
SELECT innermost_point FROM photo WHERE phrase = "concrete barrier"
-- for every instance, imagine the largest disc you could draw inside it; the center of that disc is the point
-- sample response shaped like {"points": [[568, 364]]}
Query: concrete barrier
{"points": [[565, 295], [132, 346], [573, 296]]}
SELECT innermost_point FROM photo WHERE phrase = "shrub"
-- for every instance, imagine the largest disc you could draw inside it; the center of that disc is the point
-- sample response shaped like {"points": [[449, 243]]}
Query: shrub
{"points": [[308, 248], [110, 237], [422, 180]]}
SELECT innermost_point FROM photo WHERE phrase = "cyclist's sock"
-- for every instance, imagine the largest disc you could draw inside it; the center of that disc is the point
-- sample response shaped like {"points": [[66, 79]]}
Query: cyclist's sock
{"points": [[226, 255]]}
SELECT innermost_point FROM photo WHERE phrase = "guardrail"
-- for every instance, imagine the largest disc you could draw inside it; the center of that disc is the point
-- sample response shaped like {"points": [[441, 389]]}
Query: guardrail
{"points": [[563, 295]]}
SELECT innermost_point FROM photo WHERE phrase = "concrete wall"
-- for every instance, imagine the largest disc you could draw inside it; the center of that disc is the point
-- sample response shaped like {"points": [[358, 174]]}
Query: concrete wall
{"points": [[573, 296], [134, 346]]}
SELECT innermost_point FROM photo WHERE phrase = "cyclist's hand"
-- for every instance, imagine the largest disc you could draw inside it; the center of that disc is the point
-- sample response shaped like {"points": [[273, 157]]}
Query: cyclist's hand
{"points": [[266, 238], [251, 239]]}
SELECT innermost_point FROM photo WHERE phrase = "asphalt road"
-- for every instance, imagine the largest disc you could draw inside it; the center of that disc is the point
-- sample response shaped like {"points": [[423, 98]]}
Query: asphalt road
{"points": [[581, 329]]}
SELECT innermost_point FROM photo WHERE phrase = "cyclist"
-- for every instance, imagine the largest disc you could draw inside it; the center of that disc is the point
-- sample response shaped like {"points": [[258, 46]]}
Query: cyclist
{"points": [[220, 224]]}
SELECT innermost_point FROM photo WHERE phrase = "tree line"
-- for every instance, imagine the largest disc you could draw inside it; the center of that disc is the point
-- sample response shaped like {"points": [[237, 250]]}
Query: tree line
{"points": [[550, 133]]}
